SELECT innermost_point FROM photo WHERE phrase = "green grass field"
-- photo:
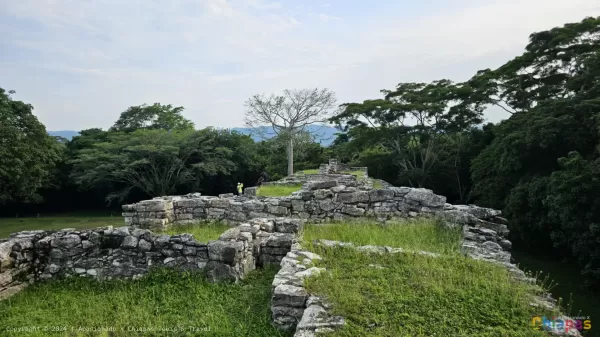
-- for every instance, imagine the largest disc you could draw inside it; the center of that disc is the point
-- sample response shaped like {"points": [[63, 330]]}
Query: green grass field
{"points": [[59, 221], [162, 300], [416, 295], [314, 171], [277, 190]]}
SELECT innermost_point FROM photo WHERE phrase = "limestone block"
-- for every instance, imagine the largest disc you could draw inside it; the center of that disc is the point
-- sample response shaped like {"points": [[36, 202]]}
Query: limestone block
{"points": [[66, 242], [381, 195], [290, 296], [352, 198], [224, 251]]}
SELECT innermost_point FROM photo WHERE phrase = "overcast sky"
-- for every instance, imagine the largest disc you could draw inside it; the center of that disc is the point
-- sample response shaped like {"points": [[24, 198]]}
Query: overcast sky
{"points": [[81, 63]]}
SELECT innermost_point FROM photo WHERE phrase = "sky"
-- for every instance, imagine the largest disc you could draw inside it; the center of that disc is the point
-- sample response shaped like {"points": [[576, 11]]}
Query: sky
{"points": [[81, 63]]}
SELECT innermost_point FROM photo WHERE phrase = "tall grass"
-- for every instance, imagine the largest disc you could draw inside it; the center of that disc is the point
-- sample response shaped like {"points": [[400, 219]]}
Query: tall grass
{"points": [[277, 190], [415, 295], [165, 303], [422, 234]]}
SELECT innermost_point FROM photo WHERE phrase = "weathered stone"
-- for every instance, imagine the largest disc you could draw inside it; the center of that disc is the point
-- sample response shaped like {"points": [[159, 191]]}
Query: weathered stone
{"points": [[85, 244], [277, 210], [505, 244], [381, 195], [66, 242], [288, 225], [320, 185], [129, 242], [219, 203], [309, 272], [315, 316], [144, 245], [219, 272], [291, 296], [121, 231], [279, 240], [352, 210], [224, 251], [425, 197], [162, 241], [352, 198]]}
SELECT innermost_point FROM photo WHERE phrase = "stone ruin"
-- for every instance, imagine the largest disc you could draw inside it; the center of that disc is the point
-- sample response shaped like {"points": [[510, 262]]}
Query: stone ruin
{"points": [[266, 233]]}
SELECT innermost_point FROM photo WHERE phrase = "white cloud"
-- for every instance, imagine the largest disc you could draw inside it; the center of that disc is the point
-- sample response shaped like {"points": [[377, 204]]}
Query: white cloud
{"points": [[88, 61]]}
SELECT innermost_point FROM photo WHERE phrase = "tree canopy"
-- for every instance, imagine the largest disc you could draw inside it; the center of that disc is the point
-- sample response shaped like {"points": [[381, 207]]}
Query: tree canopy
{"points": [[27, 153], [154, 117]]}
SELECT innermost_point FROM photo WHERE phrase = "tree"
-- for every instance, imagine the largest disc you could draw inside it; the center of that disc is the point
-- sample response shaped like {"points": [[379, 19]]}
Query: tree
{"points": [[154, 117], [542, 166], [289, 114], [155, 162], [27, 153], [557, 63], [413, 122], [307, 154]]}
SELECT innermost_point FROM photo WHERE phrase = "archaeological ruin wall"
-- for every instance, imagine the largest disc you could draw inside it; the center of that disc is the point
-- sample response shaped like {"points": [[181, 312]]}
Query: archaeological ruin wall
{"points": [[130, 252]]}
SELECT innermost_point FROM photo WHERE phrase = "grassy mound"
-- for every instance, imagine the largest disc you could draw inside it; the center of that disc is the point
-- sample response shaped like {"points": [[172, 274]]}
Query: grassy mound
{"points": [[165, 303], [417, 295]]}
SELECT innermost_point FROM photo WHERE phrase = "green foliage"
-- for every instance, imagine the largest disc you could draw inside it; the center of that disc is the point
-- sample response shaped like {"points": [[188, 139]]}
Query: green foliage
{"points": [[417, 295], [420, 135], [155, 162], [273, 154], [542, 163], [576, 225], [163, 299], [27, 154], [154, 117]]}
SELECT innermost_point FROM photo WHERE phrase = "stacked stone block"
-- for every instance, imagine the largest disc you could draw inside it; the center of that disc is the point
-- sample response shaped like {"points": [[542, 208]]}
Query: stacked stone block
{"points": [[292, 307], [317, 201], [130, 252]]}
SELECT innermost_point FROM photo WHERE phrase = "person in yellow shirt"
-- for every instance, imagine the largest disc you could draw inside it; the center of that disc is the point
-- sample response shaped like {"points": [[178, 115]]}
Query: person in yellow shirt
{"points": [[240, 188]]}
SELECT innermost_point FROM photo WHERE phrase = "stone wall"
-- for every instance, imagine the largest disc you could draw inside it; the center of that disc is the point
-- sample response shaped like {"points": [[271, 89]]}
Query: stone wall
{"points": [[130, 252], [320, 201]]}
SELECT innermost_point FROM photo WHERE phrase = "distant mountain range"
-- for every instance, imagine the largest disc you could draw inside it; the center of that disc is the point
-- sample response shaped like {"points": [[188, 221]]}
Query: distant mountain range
{"points": [[324, 134]]}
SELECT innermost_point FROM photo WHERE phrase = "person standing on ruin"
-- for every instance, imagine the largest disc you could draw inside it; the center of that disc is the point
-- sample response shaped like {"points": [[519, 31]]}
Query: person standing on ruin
{"points": [[240, 188]]}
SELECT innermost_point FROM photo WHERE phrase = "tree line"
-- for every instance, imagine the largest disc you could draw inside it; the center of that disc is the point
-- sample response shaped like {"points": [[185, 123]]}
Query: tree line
{"points": [[540, 166]]}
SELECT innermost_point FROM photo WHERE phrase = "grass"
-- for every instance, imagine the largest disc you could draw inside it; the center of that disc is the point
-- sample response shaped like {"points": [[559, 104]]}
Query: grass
{"points": [[277, 190], [202, 232], [162, 300], [416, 295], [424, 234], [314, 171], [377, 184], [58, 221]]}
